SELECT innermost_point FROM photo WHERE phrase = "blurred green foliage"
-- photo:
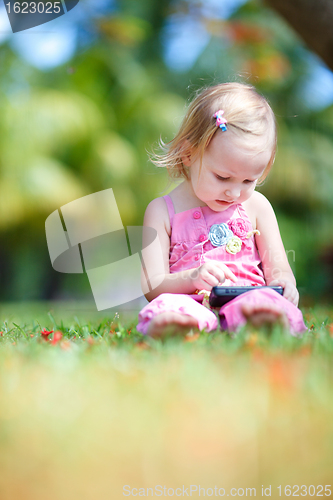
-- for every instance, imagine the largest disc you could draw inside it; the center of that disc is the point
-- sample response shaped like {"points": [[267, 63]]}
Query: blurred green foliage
{"points": [[87, 126]]}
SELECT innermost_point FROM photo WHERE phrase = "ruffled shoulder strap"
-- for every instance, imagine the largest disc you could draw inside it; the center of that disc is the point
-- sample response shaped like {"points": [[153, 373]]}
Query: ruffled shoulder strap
{"points": [[242, 212], [170, 208]]}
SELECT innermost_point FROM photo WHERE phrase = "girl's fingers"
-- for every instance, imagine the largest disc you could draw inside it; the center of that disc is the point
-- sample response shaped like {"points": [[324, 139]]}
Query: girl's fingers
{"points": [[221, 272], [217, 278], [290, 293], [278, 283], [212, 280], [295, 298], [229, 274], [208, 279], [213, 273], [214, 277]]}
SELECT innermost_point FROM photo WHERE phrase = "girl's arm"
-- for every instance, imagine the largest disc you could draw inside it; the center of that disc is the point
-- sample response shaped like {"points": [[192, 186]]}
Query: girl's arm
{"points": [[276, 268], [157, 264]]}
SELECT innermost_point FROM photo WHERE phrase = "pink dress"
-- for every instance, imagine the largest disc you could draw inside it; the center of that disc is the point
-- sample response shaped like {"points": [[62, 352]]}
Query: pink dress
{"points": [[199, 235]]}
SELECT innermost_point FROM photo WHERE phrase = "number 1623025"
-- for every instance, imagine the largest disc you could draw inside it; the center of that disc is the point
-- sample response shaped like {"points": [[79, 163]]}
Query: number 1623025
{"points": [[34, 8], [304, 490]]}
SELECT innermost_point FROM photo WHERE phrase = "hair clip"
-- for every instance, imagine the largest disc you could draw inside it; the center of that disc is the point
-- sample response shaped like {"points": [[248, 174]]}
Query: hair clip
{"points": [[220, 121]]}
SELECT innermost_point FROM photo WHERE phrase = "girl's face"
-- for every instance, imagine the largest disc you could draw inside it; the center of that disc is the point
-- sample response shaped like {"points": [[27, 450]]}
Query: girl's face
{"points": [[229, 172]]}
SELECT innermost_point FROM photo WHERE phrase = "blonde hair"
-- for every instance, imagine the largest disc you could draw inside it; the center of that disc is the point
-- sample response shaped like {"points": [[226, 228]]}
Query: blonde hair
{"points": [[248, 115]]}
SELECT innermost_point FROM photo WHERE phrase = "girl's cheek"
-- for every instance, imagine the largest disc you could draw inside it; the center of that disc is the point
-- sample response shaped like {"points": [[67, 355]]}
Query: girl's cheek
{"points": [[246, 193]]}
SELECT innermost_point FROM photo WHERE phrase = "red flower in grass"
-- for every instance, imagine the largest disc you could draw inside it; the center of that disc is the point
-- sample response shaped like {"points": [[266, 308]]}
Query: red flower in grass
{"points": [[45, 333], [57, 336]]}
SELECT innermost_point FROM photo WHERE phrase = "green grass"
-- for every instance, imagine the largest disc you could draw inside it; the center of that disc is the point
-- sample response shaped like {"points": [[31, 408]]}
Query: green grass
{"points": [[104, 407]]}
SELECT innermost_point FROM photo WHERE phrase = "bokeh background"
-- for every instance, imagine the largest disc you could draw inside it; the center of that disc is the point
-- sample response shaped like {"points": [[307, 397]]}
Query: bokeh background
{"points": [[84, 97]]}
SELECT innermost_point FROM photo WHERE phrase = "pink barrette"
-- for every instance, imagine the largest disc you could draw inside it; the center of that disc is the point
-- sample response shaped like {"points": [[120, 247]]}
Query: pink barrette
{"points": [[220, 121]]}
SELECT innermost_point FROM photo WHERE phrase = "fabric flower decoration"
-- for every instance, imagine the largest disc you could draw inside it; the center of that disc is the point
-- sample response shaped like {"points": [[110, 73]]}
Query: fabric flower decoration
{"points": [[205, 300], [251, 233], [240, 227], [219, 234], [234, 245]]}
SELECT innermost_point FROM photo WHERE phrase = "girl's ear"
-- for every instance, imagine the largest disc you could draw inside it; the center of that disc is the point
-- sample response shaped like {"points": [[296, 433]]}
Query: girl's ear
{"points": [[187, 155], [187, 160]]}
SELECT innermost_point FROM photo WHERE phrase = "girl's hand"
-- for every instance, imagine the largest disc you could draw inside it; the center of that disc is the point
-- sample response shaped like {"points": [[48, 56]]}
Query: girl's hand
{"points": [[290, 292], [211, 274]]}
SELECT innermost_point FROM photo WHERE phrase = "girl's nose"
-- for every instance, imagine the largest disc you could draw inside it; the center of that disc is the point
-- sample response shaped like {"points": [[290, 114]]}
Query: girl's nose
{"points": [[233, 192]]}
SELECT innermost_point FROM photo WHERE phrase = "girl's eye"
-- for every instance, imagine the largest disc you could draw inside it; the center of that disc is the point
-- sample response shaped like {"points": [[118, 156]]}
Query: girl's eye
{"points": [[218, 177]]}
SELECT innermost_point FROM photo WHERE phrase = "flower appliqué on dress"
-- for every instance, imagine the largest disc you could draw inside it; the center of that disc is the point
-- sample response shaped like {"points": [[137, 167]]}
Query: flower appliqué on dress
{"points": [[234, 245], [219, 234], [239, 227], [231, 235]]}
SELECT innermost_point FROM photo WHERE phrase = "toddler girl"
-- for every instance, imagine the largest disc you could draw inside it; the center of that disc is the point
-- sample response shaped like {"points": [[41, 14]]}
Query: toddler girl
{"points": [[214, 228]]}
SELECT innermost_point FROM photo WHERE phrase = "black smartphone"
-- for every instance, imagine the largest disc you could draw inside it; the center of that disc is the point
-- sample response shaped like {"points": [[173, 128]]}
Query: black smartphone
{"points": [[220, 295]]}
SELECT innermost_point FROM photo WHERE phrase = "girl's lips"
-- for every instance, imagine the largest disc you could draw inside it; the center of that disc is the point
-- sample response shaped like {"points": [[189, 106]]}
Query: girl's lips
{"points": [[220, 202]]}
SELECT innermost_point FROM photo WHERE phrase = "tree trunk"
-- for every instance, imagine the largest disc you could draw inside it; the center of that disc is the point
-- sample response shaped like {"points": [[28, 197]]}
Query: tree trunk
{"points": [[313, 21]]}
